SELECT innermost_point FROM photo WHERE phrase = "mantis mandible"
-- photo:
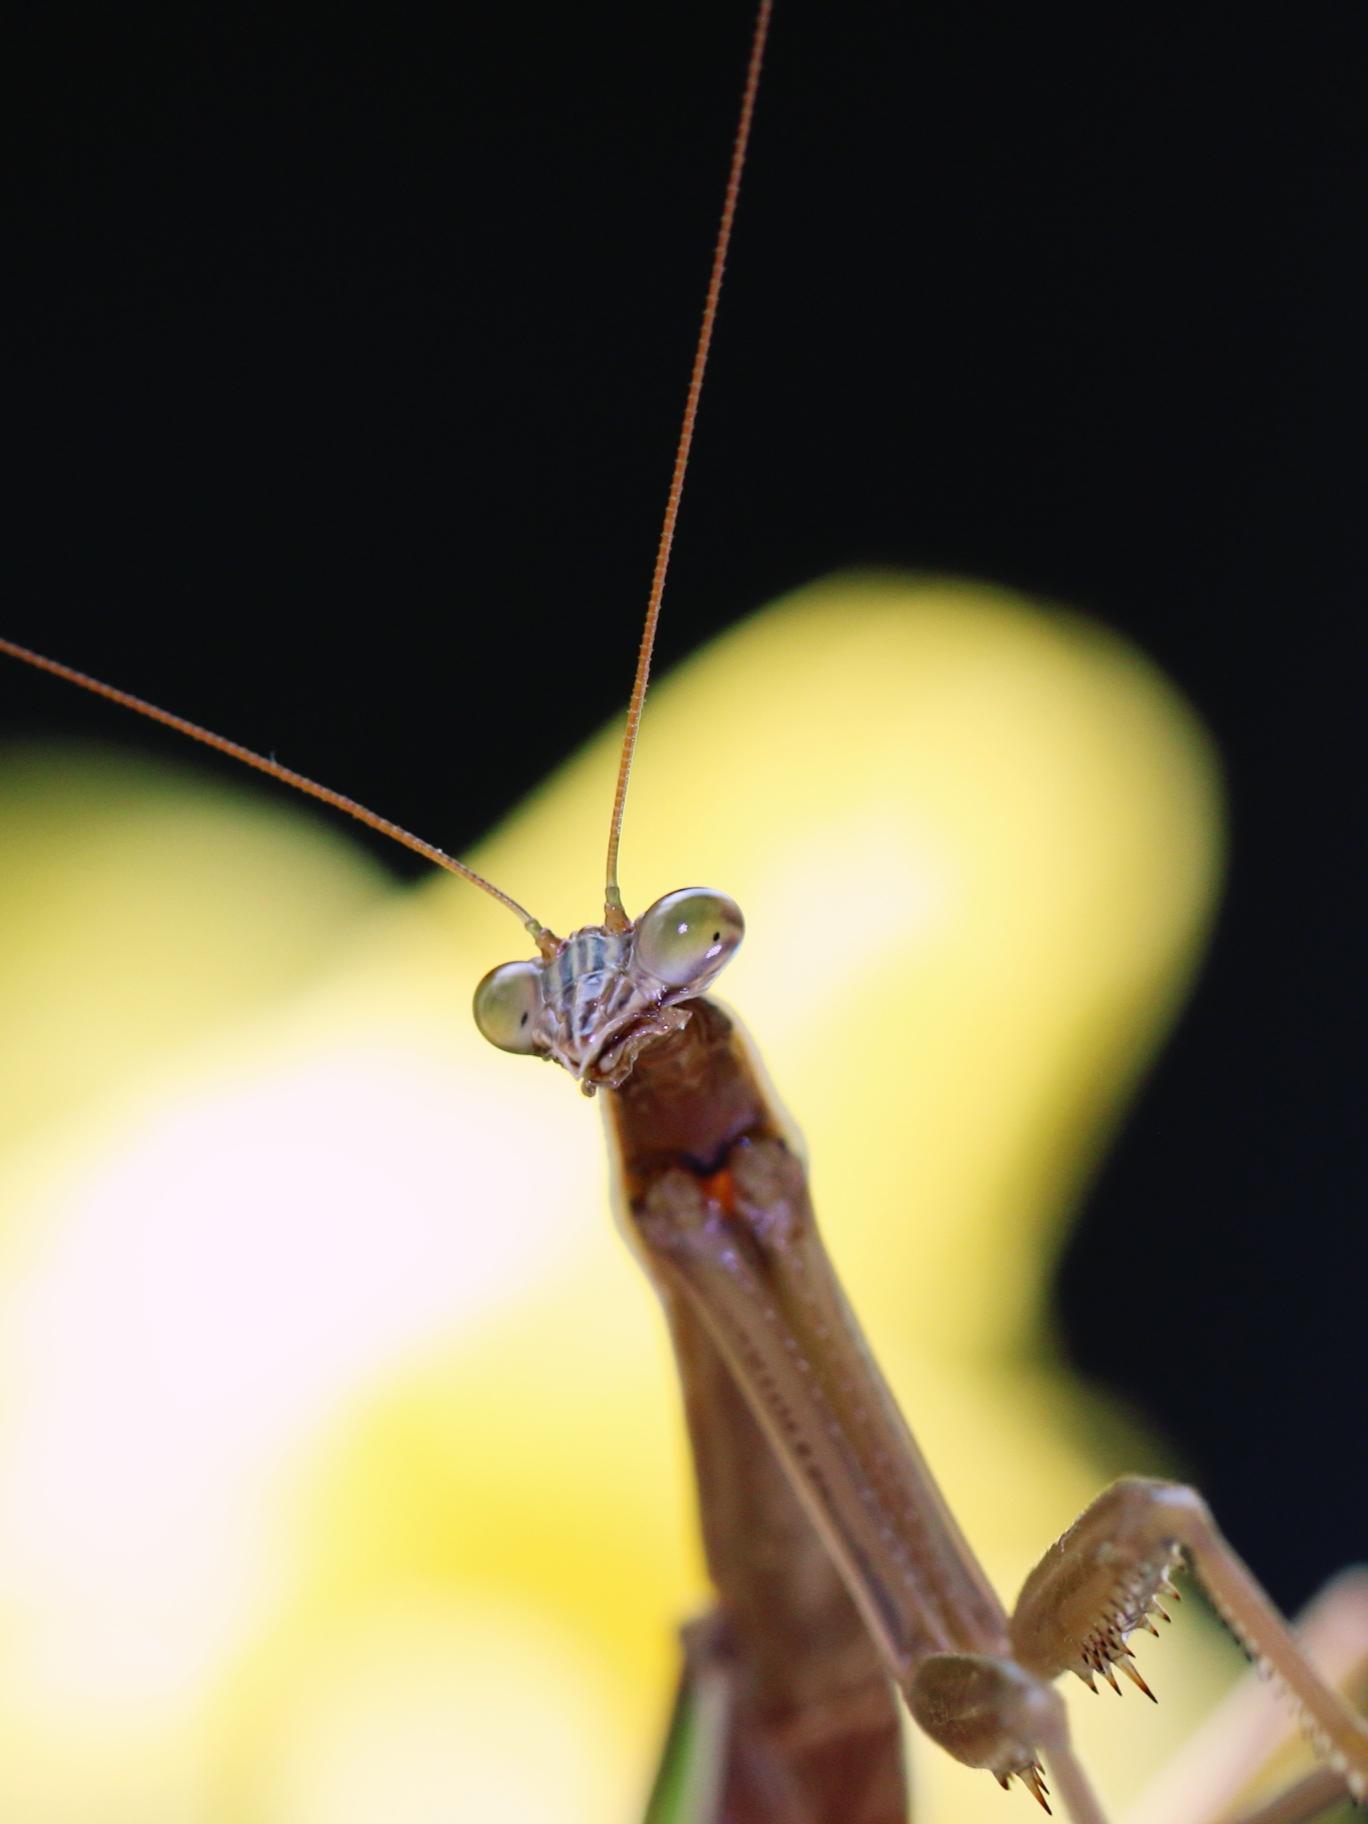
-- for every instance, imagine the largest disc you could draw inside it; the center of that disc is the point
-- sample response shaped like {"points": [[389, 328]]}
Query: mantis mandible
{"points": [[841, 1529]]}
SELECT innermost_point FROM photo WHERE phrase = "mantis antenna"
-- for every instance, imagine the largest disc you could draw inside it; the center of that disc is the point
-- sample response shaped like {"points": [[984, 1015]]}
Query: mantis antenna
{"points": [[274, 770], [615, 916]]}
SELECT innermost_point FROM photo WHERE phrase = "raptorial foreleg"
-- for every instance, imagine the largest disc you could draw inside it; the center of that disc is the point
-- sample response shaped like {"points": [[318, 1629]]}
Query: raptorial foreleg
{"points": [[1109, 1575], [785, 1713]]}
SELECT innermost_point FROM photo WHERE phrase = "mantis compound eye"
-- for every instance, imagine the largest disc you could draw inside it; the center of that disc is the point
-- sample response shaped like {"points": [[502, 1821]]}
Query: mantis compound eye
{"points": [[685, 938], [506, 1004]]}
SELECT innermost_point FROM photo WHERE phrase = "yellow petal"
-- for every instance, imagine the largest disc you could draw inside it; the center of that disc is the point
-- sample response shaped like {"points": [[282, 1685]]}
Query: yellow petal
{"points": [[341, 1454]]}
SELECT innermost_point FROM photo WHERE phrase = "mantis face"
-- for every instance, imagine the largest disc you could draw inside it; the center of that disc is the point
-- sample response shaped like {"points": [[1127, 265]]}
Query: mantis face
{"points": [[600, 995]]}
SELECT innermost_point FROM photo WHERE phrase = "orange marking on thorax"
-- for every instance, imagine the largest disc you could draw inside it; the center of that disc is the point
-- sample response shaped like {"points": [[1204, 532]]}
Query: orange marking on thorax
{"points": [[720, 1188]]}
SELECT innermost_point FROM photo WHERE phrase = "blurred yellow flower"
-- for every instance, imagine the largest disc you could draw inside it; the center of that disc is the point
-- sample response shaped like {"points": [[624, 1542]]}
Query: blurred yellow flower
{"points": [[341, 1475]]}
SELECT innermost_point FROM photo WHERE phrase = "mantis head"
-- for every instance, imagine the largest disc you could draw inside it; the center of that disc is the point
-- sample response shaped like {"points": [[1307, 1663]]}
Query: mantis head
{"points": [[594, 999]]}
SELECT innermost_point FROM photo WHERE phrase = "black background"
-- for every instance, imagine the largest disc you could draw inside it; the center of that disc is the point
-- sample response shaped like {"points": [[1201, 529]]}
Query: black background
{"points": [[379, 319]]}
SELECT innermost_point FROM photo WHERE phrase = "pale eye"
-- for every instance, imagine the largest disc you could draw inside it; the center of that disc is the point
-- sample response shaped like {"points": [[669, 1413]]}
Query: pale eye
{"points": [[685, 938], [506, 1004]]}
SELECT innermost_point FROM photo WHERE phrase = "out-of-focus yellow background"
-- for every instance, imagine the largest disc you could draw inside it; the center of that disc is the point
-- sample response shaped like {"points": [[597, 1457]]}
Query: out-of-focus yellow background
{"points": [[341, 1472]]}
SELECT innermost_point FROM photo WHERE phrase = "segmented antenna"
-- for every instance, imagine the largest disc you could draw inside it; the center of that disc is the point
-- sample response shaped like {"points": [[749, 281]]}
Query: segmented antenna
{"points": [[273, 770], [615, 916]]}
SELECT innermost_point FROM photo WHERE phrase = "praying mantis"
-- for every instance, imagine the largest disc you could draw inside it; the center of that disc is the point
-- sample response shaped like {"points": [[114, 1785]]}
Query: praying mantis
{"points": [[110, 668]]}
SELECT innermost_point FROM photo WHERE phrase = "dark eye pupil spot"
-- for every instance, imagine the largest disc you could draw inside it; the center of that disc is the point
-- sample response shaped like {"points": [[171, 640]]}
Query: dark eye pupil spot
{"points": [[523, 1021], [717, 937]]}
